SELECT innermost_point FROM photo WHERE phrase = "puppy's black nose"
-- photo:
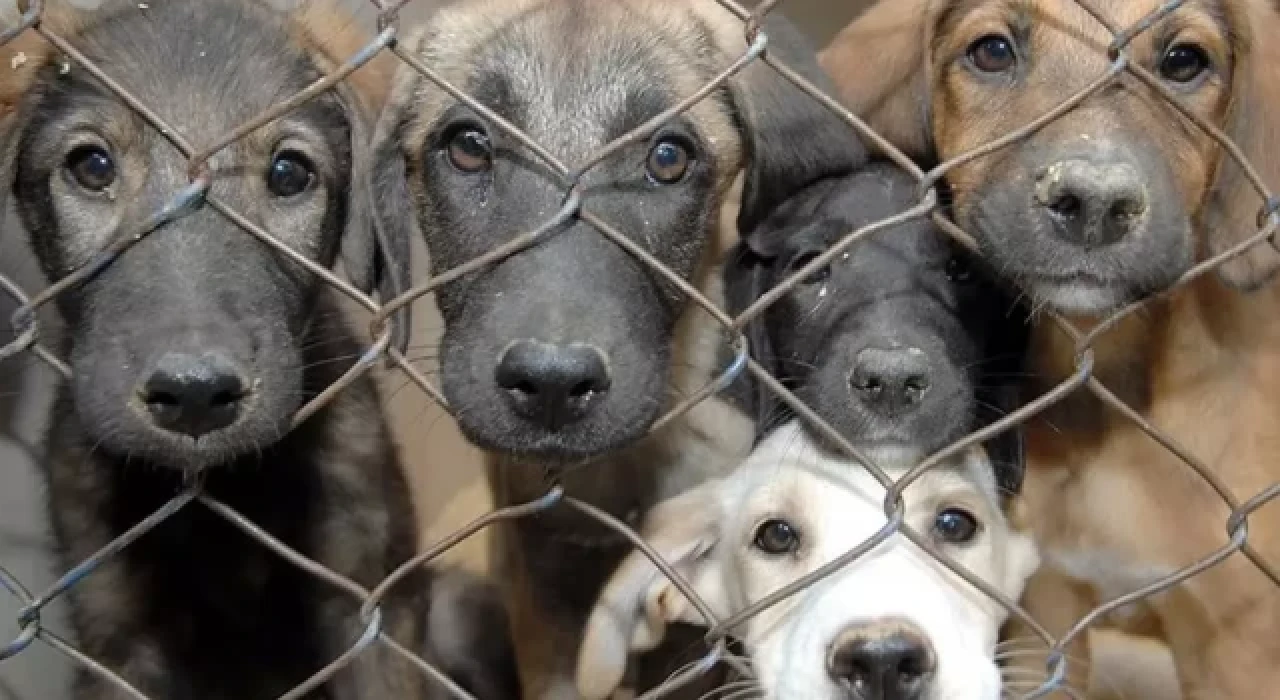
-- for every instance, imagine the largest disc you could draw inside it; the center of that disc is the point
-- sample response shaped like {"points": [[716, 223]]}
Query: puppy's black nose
{"points": [[883, 662], [890, 380], [193, 394], [552, 385], [1092, 205]]}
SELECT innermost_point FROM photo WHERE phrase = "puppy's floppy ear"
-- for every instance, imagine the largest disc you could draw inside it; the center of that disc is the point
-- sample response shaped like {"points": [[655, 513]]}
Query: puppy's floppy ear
{"points": [[791, 140], [1008, 450], [1001, 380], [878, 65], [374, 257], [638, 601], [1230, 214], [746, 277]]}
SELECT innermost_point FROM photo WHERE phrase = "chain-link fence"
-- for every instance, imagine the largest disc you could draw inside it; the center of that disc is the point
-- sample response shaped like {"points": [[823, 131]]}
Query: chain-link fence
{"points": [[27, 340]]}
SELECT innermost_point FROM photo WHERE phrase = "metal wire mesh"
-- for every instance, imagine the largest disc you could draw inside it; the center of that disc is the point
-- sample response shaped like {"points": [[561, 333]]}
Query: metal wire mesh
{"points": [[27, 340]]}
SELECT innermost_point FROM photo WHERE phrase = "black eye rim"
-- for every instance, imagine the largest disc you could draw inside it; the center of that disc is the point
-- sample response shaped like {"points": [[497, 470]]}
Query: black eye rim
{"points": [[1202, 66], [450, 136], [298, 158], [984, 40], [971, 533], [759, 534], [78, 155], [685, 144], [804, 257]]}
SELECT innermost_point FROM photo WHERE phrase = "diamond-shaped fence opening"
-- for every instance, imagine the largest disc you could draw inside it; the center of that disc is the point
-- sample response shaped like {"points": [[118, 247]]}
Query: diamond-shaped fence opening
{"points": [[27, 339]]}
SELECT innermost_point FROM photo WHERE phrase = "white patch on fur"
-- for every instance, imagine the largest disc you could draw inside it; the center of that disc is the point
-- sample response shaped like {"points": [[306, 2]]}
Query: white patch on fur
{"points": [[1079, 298]]}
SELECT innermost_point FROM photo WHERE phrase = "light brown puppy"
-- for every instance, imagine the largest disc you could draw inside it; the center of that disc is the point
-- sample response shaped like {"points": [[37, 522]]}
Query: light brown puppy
{"points": [[566, 353], [1108, 204]]}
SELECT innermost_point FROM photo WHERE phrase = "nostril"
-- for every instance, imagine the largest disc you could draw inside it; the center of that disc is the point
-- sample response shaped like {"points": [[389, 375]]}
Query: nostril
{"points": [[868, 385], [1067, 206], [161, 398], [1126, 210], [915, 387]]}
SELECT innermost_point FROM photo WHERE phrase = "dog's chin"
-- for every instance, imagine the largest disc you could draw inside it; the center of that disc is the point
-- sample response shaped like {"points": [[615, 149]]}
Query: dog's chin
{"points": [[1081, 295], [187, 454], [892, 454], [567, 446]]}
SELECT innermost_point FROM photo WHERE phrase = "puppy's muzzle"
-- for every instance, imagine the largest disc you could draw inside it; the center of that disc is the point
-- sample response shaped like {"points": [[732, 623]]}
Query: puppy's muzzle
{"points": [[1090, 204], [552, 385], [882, 660], [194, 395]]}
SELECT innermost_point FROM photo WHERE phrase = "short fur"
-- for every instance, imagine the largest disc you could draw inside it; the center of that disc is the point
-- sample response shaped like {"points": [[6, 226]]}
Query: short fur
{"points": [[908, 287], [195, 609], [576, 74], [710, 536], [1113, 509]]}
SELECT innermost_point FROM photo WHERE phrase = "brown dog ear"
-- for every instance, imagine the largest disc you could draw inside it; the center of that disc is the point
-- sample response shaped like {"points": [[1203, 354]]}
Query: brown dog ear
{"points": [[1230, 215], [375, 257], [879, 68], [638, 601], [790, 139]]}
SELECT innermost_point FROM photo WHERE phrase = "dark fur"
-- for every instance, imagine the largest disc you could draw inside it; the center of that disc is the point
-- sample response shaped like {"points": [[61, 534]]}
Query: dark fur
{"points": [[604, 67], [195, 609], [904, 287]]}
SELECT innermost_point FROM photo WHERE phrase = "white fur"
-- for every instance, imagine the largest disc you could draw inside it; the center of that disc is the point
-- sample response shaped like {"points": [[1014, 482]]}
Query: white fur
{"points": [[707, 534]]}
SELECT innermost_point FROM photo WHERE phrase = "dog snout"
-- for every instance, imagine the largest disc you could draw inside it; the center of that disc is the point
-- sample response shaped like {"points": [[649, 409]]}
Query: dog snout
{"points": [[554, 385], [194, 394], [1092, 204], [883, 661], [890, 380]]}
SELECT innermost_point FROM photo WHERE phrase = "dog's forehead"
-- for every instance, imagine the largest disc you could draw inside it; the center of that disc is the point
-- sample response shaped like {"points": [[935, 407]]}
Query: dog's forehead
{"points": [[788, 471], [574, 74], [203, 67]]}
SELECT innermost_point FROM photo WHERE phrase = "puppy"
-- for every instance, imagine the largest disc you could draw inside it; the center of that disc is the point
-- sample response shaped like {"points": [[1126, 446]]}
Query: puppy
{"points": [[903, 344], [192, 351], [561, 354], [893, 624], [1112, 202]]}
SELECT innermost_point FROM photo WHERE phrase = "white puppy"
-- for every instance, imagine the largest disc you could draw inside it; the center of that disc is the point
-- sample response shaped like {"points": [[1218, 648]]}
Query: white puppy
{"points": [[893, 625]]}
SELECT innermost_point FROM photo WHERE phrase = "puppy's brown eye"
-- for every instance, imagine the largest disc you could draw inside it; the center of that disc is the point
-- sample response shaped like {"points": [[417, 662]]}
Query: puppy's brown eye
{"points": [[92, 168], [798, 263], [958, 270], [291, 174], [668, 162], [955, 526], [776, 537], [469, 151], [992, 54], [1183, 63]]}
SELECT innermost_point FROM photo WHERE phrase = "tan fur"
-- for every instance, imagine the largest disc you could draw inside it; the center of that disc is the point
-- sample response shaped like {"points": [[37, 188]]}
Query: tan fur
{"points": [[1109, 505], [705, 442]]}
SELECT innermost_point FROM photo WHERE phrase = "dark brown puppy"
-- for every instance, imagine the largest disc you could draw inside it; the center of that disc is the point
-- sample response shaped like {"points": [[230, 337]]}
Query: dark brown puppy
{"points": [[193, 349], [1110, 203]]}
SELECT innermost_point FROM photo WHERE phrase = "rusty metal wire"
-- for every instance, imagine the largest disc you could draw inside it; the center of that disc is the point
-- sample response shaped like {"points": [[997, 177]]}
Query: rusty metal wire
{"points": [[27, 339]]}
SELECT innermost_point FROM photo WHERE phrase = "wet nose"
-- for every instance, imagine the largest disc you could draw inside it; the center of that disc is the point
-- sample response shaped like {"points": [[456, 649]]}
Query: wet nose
{"points": [[193, 394], [880, 661], [890, 380], [552, 385], [1092, 204]]}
